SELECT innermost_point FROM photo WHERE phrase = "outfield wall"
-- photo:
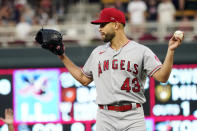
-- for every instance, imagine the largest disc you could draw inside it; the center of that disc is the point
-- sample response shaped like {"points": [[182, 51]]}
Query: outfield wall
{"points": [[37, 57]]}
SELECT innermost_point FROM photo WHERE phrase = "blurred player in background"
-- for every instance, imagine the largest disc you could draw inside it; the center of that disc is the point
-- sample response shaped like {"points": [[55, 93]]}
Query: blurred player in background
{"points": [[9, 119]]}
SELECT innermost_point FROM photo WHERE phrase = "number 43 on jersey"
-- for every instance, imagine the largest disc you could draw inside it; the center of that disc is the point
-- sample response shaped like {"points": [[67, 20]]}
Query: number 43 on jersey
{"points": [[126, 85]]}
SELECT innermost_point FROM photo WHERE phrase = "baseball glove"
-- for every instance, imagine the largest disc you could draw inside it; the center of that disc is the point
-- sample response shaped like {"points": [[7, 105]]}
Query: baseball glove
{"points": [[51, 40]]}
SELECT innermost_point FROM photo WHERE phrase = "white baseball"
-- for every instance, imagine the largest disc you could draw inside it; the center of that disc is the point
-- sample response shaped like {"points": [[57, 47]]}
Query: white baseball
{"points": [[178, 34]]}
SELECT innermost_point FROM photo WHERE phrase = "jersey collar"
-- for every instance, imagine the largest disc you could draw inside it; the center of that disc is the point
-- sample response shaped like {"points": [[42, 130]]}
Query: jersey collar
{"points": [[109, 45]]}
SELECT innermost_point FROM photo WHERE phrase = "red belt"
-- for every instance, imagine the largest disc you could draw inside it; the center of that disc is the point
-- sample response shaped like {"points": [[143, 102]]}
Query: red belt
{"points": [[119, 107]]}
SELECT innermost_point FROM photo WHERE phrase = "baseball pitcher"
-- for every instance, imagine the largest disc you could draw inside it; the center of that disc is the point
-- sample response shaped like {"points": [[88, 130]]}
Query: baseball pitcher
{"points": [[119, 69]]}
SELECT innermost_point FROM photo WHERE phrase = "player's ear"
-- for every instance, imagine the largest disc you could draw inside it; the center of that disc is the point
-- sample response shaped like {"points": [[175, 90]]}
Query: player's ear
{"points": [[116, 25]]}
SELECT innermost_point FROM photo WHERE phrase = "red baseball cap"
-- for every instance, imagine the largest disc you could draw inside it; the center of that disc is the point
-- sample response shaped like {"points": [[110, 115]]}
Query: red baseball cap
{"points": [[110, 15]]}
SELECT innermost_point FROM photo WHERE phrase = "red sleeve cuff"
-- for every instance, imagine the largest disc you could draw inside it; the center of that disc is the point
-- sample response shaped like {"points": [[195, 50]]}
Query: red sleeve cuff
{"points": [[157, 68], [86, 74]]}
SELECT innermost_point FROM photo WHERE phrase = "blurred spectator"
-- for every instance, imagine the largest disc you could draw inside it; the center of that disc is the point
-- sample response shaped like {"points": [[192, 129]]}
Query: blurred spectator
{"points": [[12, 10], [152, 10], [60, 14], [46, 4], [20, 2], [9, 119], [6, 13], [19, 9], [119, 5], [179, 4], [166, 12], [136, 13], [45, 13], [42, 16], [136, 10], [28, 14], [22, 29], [166, 16], [61, 10]]}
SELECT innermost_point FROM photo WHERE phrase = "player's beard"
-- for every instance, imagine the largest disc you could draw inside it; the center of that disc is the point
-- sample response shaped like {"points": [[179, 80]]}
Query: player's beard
{"points": [[108, 37]]}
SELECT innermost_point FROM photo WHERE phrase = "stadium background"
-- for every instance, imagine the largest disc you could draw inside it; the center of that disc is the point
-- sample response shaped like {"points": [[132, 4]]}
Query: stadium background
{"points": [[170, 106]]}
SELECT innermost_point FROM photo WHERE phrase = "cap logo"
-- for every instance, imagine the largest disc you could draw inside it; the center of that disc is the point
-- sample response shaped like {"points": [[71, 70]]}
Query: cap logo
{"points": [[112, 18]]}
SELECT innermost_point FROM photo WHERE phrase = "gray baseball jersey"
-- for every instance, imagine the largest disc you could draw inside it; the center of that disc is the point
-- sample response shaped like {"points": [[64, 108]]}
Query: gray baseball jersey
{"points": [[120, 75]]}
